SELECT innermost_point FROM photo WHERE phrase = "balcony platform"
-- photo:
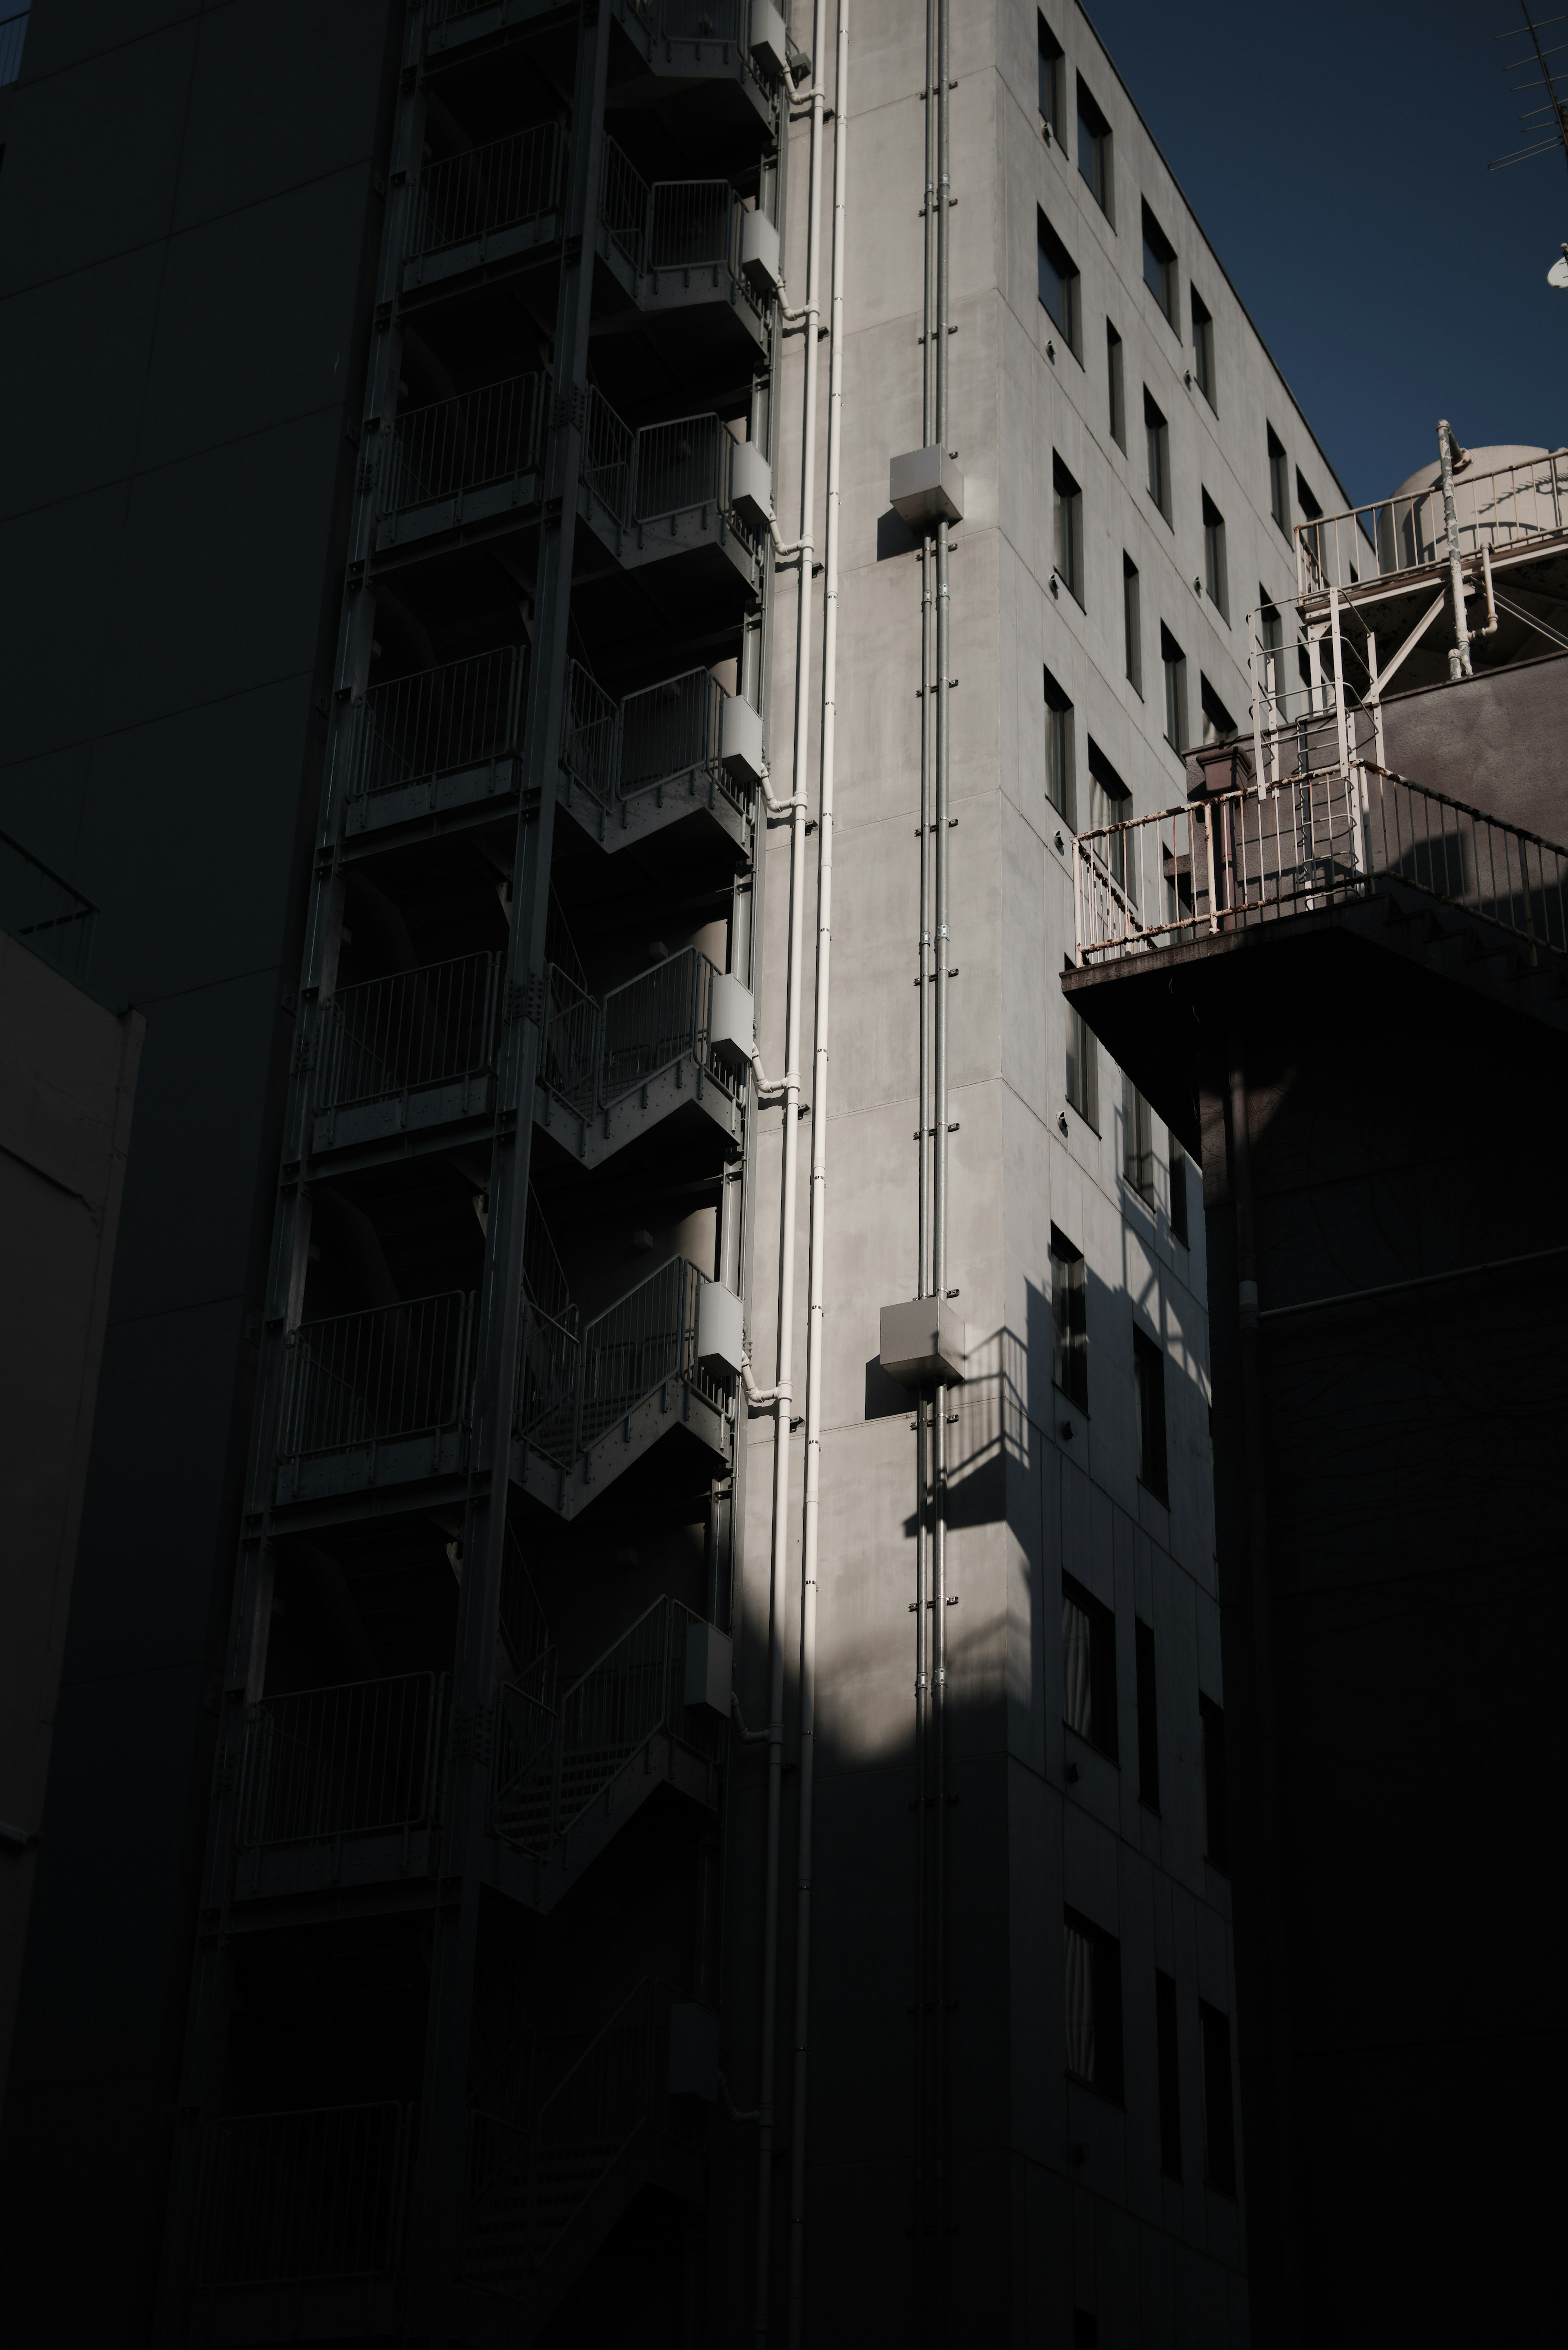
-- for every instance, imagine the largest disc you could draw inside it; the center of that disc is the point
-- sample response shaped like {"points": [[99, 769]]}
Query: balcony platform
{"points": [[303, 1873], [467, 518], [702, 533], [590, 1138], [371, 1467], [485, 259]]}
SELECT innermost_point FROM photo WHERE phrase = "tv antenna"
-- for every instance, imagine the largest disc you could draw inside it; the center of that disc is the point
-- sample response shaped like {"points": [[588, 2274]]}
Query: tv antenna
{"points": [[1543, 138]]}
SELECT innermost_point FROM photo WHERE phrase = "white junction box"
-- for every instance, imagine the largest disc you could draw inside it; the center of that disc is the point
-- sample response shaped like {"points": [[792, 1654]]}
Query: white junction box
{"points": [[708, 1664], [924, 1340], [766, 39], [732, 1022], [752, 485], [925, 487], [741, 740], [759, 254], [721, 1329]]}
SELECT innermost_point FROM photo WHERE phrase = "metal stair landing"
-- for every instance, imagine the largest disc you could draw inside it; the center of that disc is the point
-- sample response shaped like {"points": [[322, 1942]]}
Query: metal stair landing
{"points": [[610, 1068]]}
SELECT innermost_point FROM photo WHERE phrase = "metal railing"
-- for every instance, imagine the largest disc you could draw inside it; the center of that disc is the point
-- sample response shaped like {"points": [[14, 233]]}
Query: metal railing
{"points": [[572, 1387], [671, 224], [465, 442], [357, 1760], [1503, 508], [501, 185], [1312, 841], [465, 714], [302, 2198], [660, 472], [388, 1038], [623, 207], [13, 37], [658, 736], [552, 1764], [357, 1380], [42, 909], [596, 1054], [526, 2185]]}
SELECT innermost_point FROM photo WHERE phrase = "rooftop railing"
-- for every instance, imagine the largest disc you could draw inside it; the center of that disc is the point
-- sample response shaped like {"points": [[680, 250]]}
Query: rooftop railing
{"points": [[422, 730], [595, 1052], [662, 471], [502, 185], [662, 734], [469, 441], [303, 2198], [354, 1380], [573, 1387], [1505, 508], [41, 908], [415, 1032], [1312, 841], [361, 1759], [552, 1763]]}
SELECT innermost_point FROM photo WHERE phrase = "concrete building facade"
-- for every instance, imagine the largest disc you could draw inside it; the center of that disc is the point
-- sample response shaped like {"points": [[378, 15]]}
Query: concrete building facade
{"points": [[467, 2001]]}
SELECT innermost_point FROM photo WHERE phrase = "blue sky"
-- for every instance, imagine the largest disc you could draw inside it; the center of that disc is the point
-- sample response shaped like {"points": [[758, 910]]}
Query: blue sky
{"points": [[1337, 159]]}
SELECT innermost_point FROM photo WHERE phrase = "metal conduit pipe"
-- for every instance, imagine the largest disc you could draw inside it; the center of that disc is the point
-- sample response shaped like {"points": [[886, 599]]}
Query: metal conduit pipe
{"points": [[941, 948], [779, 1557], [817, 1246], [923, 1282]]}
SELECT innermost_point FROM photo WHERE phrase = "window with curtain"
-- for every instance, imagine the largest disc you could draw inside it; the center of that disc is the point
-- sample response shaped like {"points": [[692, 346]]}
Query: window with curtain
{"points": [[1069, 1323], [1137, 1143], [1093, 2005], [1089, 1667], [1083, 1069], [1059, 777]]}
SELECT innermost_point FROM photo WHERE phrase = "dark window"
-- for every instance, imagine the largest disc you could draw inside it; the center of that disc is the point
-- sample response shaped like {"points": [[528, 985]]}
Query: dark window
{"points": [[1218, 727], [1067, 501], [1053, 80], [1059, 776], [1132, 623], [1279, 482], [1211, 1731], [1148, 1369], [1093, 2006], [1137, 1143], [1214, 574], [1083, 1069], [1088, 1667], [1157, 442], [1069, 1303], [1312, 515], [1147, 1718], [1110, 807], [1219, 2101], [1059, 285], [13, 35], [1179, 1192], [1175, 661], [1169, 2076], [1094, 152], [1159, 267], [1118, 396], [1203, 349]]}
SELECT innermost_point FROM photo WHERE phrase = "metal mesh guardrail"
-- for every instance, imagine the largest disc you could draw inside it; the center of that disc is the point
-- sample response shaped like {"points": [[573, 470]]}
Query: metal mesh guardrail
{"points": [[302, 2198], [355, 1379], [1312, 841], [1499, 510], [465, 442], [41, 908], [356, 1760], [526, 2185], [550, 1767], [388, 1038], [670, 728], [498, 186], [448, 721], [596, 1054], [659, 471]]}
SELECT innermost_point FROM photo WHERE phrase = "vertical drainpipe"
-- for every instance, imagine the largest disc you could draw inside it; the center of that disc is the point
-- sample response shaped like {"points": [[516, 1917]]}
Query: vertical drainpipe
{"points": [[816, 1250], [941, 949], [779, 1561], [1459, 651], [923, 1280]]}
